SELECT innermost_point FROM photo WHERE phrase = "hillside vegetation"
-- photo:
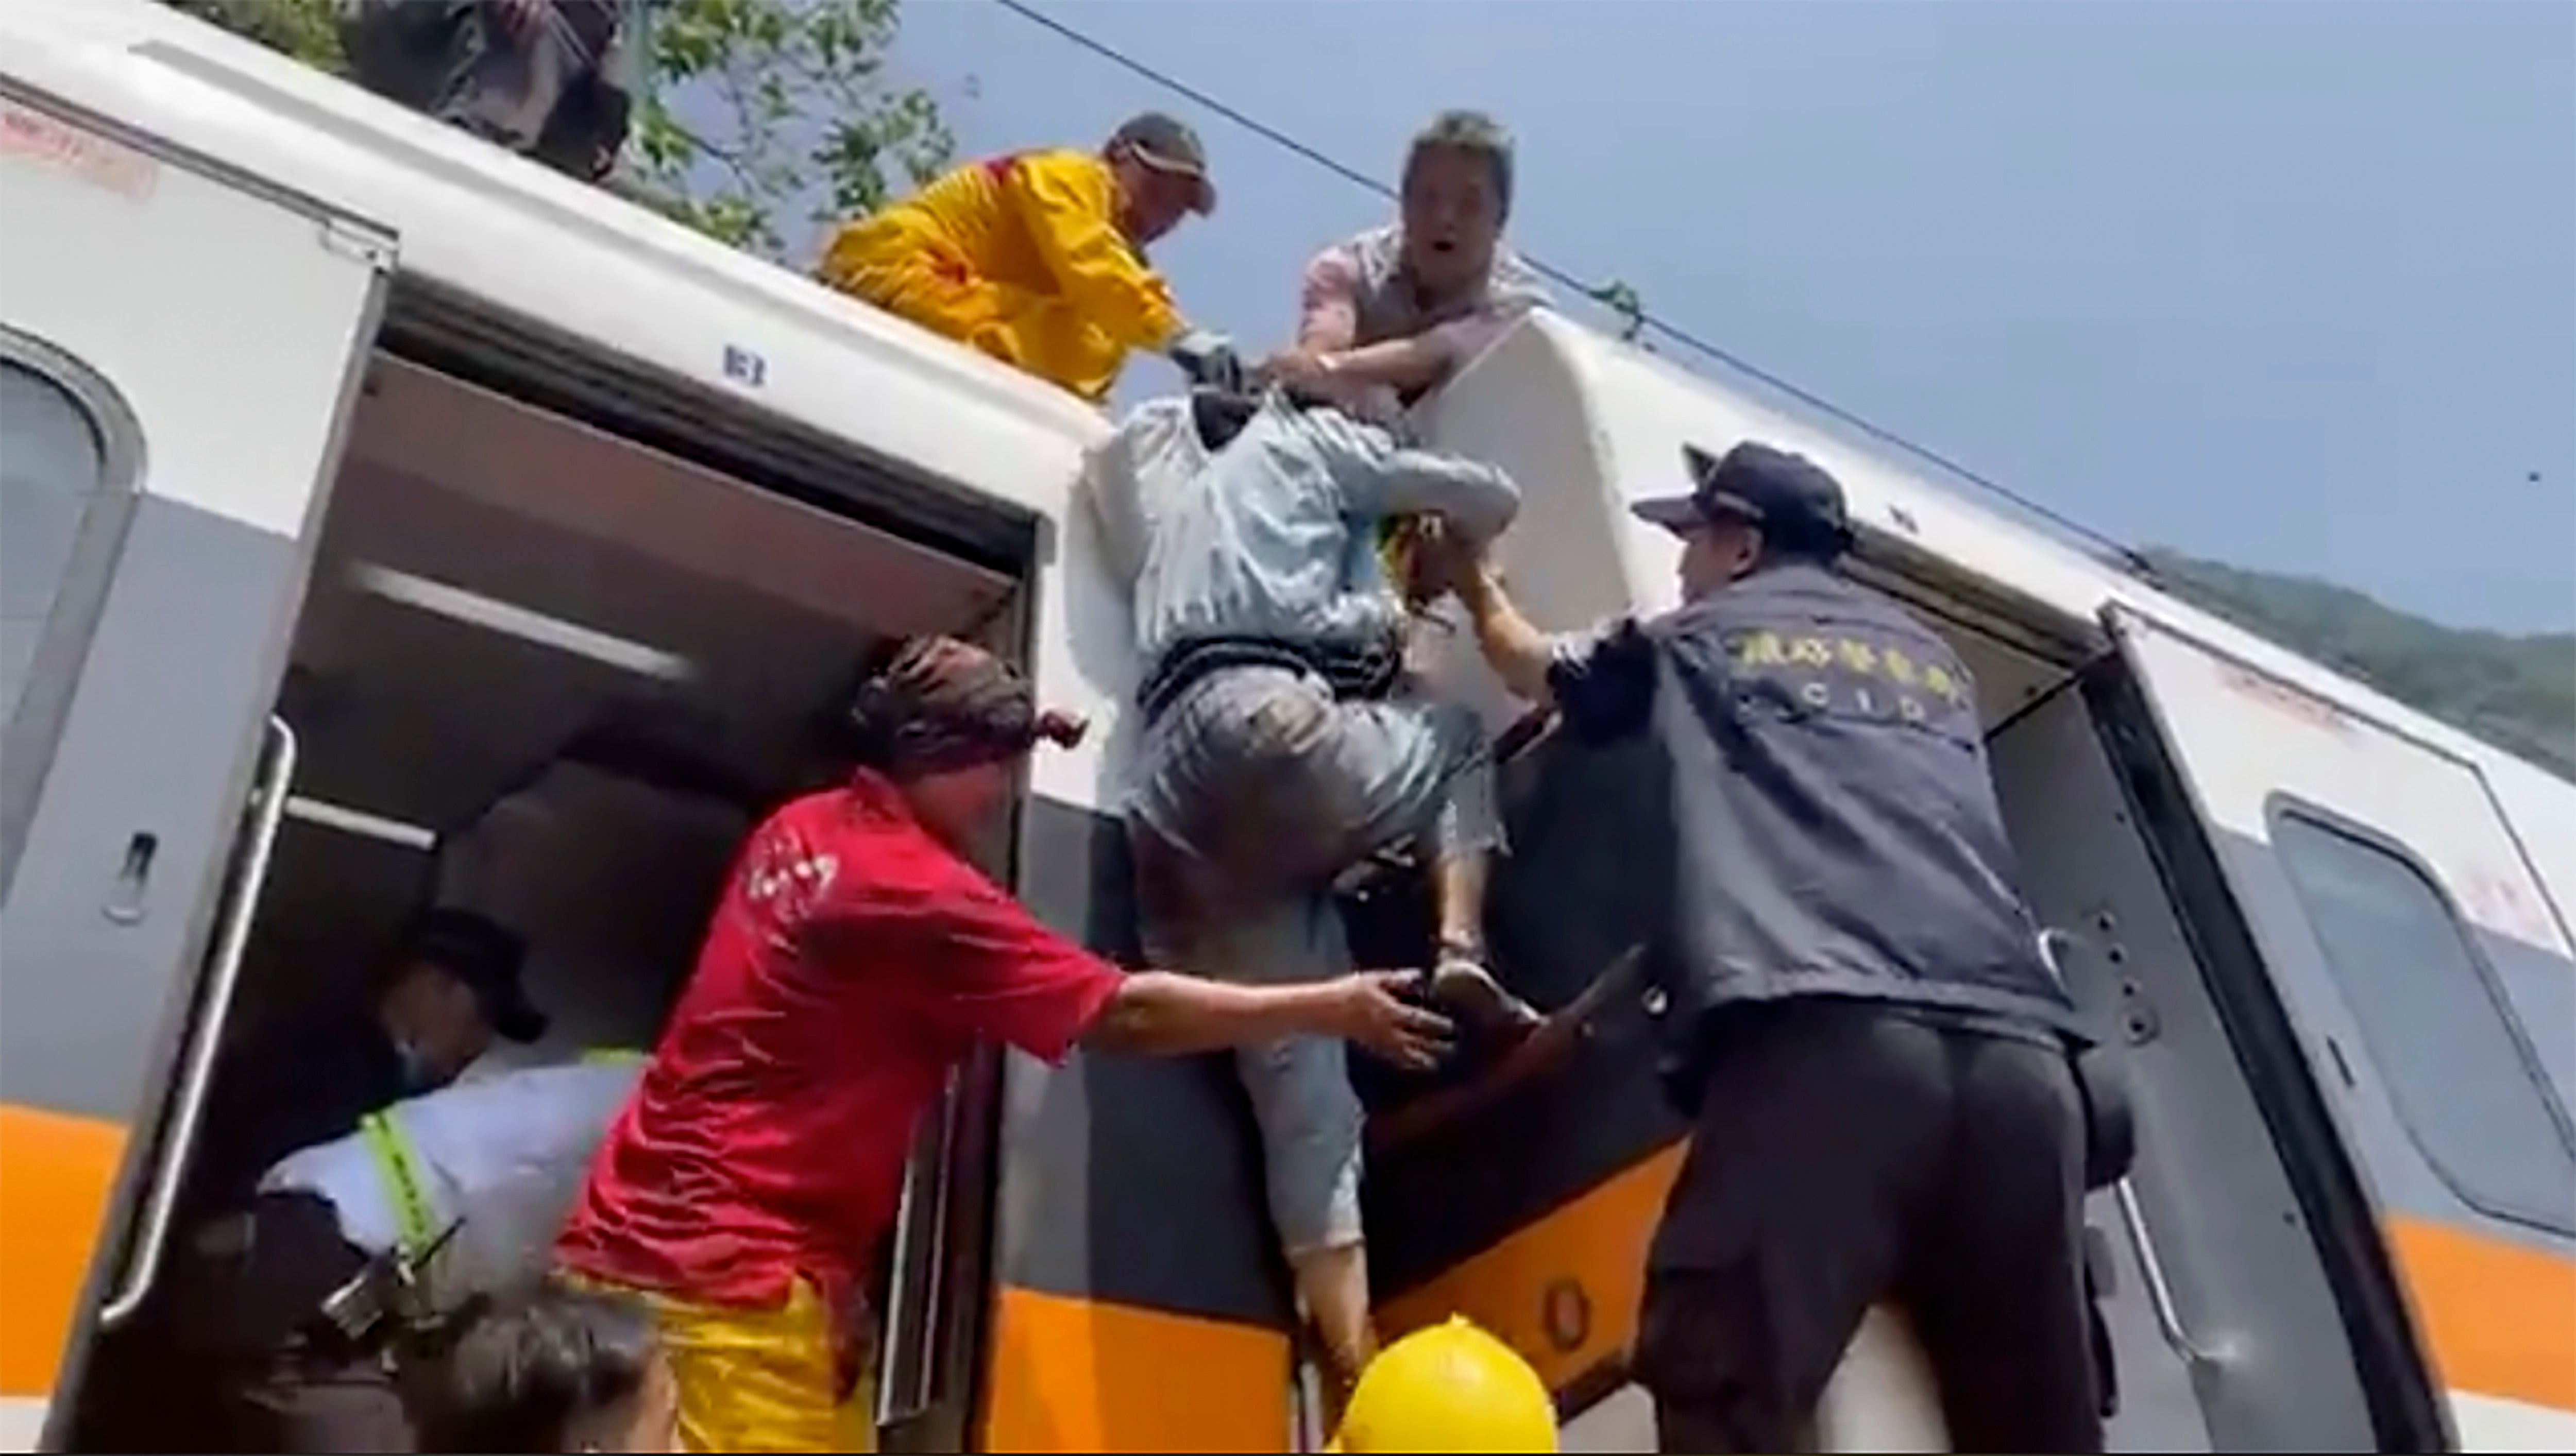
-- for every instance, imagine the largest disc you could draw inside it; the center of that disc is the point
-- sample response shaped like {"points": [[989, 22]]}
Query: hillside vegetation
{"points": [[2516, 692]]}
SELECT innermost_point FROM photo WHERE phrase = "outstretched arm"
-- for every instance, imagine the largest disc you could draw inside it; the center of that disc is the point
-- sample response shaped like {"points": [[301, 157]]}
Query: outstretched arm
{"points": [[1070, 209], [1329, 356], [1602, 684], [1162, 1013], [1425, 360], [1518, 651], [973, 960], [1380, 479]]}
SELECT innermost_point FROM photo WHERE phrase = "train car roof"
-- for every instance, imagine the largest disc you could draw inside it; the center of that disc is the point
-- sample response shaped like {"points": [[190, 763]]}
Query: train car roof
{"points": [[529, 243], [1638, 410]]}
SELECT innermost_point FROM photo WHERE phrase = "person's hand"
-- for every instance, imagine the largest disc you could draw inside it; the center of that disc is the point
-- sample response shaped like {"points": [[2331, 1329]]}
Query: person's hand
{"points": [[1369, 1010], [1299, 369], [1449, 561], [518, 16], [1208, 359], [1430, 560]]}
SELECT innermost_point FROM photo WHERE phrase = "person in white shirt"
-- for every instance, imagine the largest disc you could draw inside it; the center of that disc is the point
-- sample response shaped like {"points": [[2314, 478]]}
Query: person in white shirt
{"points": [[500, 1156], [497, 1160]]}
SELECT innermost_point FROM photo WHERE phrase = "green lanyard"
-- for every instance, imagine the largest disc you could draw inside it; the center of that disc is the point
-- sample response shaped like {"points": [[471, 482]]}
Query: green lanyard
{"points": [[414, 1223], [394, 1163]]}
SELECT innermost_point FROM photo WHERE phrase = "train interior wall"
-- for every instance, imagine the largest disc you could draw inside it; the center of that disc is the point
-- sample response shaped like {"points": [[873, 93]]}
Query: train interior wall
{"points": [[550, 675]]}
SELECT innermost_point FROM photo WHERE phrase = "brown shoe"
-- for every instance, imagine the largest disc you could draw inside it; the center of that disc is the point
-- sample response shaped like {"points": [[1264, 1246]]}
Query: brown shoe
{"points": [[1471, 990]]}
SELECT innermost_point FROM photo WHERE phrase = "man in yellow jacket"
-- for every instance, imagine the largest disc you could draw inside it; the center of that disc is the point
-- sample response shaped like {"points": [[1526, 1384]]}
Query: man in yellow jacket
{"points": [[1037, 258]]}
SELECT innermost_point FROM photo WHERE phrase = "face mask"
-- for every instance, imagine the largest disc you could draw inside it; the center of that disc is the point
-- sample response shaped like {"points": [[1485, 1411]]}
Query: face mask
{"points": [[417, 1073]]}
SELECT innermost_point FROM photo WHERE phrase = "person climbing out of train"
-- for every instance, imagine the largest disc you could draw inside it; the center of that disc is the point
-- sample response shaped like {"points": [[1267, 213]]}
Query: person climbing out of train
{"points": [[1284, 744], [855, 957], [1877, 1065], [1038, 258], [1392, 313], [449, 988], [456, 1194]]}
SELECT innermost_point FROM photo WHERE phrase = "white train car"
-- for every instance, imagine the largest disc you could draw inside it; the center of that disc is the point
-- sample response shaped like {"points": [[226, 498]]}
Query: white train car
{"points": [[389, 518]]}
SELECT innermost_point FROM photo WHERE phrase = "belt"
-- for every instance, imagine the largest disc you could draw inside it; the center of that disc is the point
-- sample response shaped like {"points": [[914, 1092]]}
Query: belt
{"points": [[1351, 670]]}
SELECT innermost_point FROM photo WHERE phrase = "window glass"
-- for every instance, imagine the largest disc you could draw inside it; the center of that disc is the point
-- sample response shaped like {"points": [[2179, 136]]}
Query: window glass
{"points": [[51, 466], [2435, 1023]]}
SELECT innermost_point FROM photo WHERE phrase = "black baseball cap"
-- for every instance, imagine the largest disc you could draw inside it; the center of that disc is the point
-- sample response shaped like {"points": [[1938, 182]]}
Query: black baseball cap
{"points": [[1166, 144], [487, 957], [1797, 503]]}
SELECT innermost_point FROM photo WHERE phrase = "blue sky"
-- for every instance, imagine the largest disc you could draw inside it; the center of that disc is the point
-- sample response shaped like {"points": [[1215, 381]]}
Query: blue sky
{"points": [[2286, 282]]}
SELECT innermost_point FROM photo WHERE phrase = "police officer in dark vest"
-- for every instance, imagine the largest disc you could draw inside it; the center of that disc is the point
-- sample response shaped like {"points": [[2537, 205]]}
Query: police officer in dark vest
{"points": [[1873, 1055]]}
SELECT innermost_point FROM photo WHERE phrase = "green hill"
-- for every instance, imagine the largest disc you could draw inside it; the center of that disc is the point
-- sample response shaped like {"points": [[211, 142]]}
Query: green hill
{"points": [[2516, 692]]}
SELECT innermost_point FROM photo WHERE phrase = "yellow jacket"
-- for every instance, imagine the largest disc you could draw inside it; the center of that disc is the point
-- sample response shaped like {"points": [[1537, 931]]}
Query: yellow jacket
{"points": [[1021, 257]]}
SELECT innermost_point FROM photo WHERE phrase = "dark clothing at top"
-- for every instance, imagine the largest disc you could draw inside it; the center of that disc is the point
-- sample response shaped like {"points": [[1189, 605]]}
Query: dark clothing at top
{"points": [[249, 1298], [1834, 828], [308, 1083], [562, 87], [311, 1080], [1843, 1152], [1872, 1052]]}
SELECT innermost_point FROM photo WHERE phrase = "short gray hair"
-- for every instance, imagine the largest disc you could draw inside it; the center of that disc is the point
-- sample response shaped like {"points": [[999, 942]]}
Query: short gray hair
{"points": [[1477, 135]]}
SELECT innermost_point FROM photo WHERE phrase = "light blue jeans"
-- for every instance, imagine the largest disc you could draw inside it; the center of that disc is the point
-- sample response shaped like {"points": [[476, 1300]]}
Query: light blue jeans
{"points": [[1267, 788]]}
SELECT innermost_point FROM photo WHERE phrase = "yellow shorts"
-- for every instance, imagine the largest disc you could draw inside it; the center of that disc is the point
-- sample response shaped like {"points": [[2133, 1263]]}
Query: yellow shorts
{"points": [[756, 1380]]}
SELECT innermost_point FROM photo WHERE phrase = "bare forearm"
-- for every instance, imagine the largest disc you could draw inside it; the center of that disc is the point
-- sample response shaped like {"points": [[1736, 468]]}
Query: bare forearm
{"points": [[1159, 1013], [1518, 652], [1402, 365]]}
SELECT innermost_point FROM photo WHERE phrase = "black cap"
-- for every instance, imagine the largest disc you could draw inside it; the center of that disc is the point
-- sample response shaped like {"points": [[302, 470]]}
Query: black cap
{"points": [[486, 956], [1797, 503], [1166, 144]]}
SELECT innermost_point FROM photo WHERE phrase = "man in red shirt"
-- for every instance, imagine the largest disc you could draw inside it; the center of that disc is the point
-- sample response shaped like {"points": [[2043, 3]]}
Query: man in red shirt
{"points": [[855, 958]]}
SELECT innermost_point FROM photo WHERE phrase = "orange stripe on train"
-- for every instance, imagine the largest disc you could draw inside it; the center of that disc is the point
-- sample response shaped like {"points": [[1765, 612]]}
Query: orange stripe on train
{"points": [[1074, 1374], [1562, 1290], [2500, 1317], [56, 1172]]}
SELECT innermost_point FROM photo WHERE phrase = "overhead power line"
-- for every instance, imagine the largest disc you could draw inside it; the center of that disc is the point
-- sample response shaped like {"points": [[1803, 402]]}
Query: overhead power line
{"points": [[1652, 324]]}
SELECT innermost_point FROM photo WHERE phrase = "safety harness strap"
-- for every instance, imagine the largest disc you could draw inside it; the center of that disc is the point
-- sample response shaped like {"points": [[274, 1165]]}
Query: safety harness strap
{"points": [[403, 1183]]}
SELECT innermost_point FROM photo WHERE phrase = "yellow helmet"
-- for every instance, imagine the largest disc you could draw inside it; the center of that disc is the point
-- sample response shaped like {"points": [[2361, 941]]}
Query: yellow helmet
{"points": [[1451, 1387]]}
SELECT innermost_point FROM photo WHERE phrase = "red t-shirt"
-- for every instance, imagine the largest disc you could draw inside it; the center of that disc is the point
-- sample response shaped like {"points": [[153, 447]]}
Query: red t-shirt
{"points": [[852, 962]]}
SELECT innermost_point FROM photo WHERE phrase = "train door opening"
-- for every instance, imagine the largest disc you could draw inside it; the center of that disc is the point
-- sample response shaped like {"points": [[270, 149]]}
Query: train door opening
{"points": [[1524, 1202], [2382, 886], [553, 675], [155, 514]]}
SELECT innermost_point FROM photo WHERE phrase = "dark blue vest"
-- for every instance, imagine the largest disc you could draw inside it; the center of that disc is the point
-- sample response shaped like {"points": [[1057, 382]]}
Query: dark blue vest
{"points": [[1833, 825]]}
